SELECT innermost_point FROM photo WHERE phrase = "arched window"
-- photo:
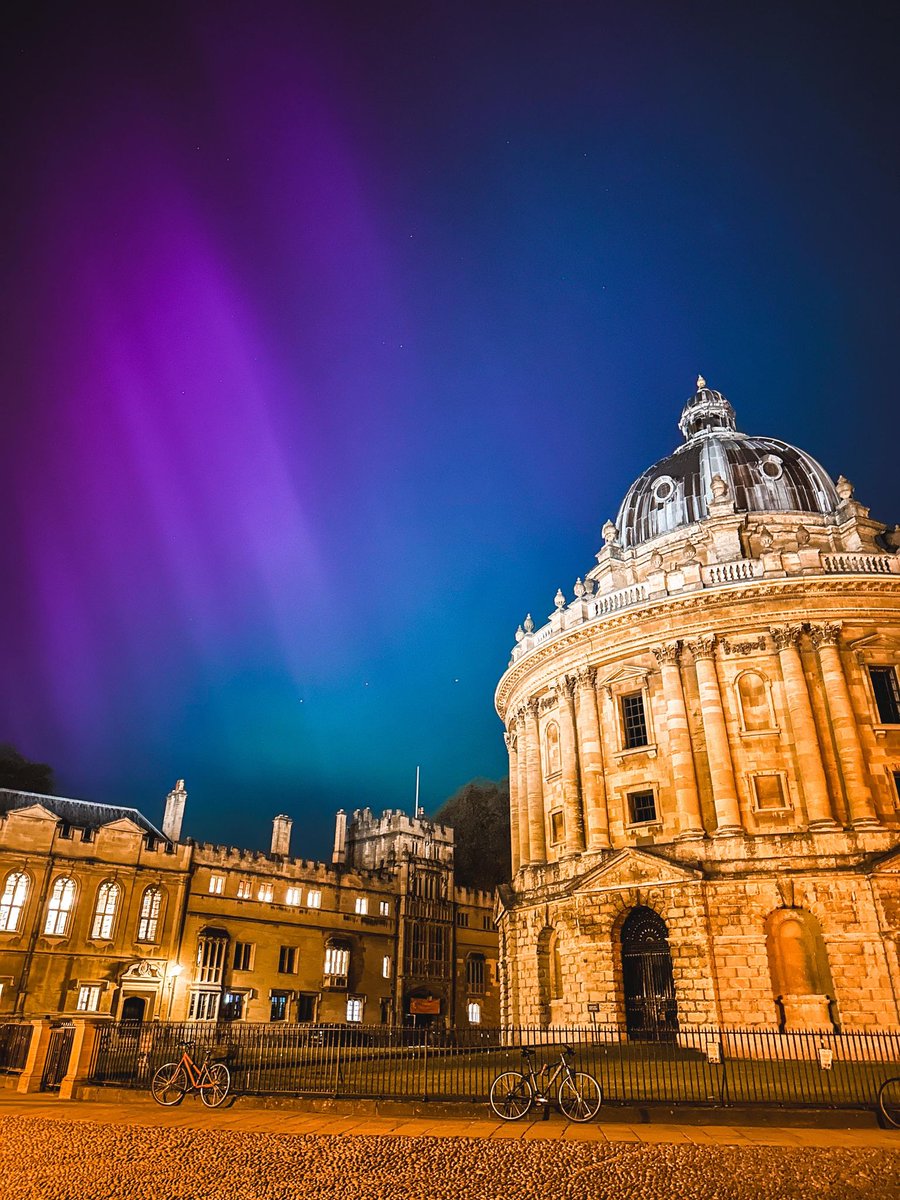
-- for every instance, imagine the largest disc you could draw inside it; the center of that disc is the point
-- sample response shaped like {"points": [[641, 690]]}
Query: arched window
{"points": [[753, 694], [12, 902], [148, 919], [551, 742], [105, 910], [60, 907]]}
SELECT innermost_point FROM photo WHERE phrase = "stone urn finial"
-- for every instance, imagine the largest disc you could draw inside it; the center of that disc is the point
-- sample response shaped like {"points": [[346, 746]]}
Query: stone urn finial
{"points": [[610, 533], [802, 535], [718, 487], [766, 537], [559, 600], [520, 633], [701, 382], [529, 624], [579, 588], [844, 487]]}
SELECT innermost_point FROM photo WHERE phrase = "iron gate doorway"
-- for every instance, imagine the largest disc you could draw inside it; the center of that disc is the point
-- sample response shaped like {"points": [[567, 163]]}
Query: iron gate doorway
{"points": [[56, 1063], [651, 1010]]}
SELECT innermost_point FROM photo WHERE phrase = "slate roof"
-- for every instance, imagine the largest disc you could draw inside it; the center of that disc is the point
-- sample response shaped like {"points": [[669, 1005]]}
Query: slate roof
{"points": [[82, 814]]}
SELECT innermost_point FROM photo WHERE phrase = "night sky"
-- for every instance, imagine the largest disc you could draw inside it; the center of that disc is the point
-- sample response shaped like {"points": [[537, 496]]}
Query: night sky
{"points": [[332, 333]]}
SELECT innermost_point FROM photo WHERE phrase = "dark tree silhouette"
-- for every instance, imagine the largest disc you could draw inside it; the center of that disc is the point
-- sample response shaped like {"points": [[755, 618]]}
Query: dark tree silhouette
{"points": [[20, 775], [479, 814]]}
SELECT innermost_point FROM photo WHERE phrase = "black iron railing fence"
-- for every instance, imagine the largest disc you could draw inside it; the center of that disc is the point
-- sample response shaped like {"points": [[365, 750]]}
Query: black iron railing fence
{"points": [[15, 1038], [693, 1066]]}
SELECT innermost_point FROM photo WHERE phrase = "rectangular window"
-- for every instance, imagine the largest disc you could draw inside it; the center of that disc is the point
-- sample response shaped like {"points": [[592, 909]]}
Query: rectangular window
{"points": [[232, 1006], [634, 721], [384, 908], [887, 694], [362, 906], [474, 1011], [897, 783], [287, 960], [641, 807], [244, 889], [243, 956], [355, 1005], [88, 998], [769, 791], [211, 959], [487, 922], [278, 1006], [557, 827], [314, 898], [216, 885], [462, 919], [337, 961], [386, 967], [294, 896], [203, 1006], [306, 1006], [266, 893]]}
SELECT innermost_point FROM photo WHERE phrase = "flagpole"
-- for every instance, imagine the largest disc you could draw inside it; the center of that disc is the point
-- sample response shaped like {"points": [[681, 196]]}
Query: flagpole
{"points": [[417, 792]]}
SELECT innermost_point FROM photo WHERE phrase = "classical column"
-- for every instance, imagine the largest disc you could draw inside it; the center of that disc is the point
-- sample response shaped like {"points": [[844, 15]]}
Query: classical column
{"points": [[590, 746], [571, 784], [512, 747], [721, 770], [522, 788], [681, 753], [537, 840], [803, 725], [826, 640]]}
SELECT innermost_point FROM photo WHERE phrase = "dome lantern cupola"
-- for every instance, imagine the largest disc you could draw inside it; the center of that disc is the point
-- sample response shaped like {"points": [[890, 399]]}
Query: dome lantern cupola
{"points": [[705, 411]]}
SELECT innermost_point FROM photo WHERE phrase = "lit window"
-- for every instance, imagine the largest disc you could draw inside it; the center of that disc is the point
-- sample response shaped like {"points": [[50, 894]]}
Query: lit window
{"points": [[386, 966], [232, 1006], [887, 694], [287, 960], [314, 899], [216, 885], [88, 998], [148, 920], [634, 721], [337, 963], [266, 893], [211, 949], [474, 1011], [641, 807], [15, 890], [294, 896], [244, 889], [59, 908], [105, 912], [355, 1005], [384, 908], [278, 1006], [243, 956], [362, 906], [203, 1006]]}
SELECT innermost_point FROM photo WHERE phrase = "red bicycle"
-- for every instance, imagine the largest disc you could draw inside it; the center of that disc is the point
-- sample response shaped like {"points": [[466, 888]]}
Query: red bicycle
{"points": [[211, 1079]]}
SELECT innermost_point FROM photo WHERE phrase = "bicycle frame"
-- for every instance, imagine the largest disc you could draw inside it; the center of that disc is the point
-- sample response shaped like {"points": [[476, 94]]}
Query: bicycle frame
{"points": [[194, 1073], [542, 1095]]}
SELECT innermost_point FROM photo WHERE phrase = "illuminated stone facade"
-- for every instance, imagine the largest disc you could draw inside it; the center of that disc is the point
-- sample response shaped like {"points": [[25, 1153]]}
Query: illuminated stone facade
{"points": [[102, 913], [704, 750]]}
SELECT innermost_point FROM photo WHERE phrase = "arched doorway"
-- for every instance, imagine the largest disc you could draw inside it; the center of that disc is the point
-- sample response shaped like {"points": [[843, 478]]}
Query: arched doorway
{"points": [[133, 1009], [651, 1010]]}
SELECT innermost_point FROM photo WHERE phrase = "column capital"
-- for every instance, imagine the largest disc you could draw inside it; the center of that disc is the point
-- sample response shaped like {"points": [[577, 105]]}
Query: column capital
{"points": [[828, 634], [669, 653], [785, 636], [566, 688], [703, 647], [512, 740], [532, 708], [585, 677]]}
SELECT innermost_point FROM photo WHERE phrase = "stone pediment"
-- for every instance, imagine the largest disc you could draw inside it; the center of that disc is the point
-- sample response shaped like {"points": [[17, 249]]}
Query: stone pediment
{"points": [[624, 675], [122, 825], [888, 864], [34, 812], [635, 868], [877, 643]]}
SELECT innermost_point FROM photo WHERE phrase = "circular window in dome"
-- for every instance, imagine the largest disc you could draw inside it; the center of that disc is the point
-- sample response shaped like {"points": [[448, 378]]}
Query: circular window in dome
{"points": [[771, 467], [663, 488]]}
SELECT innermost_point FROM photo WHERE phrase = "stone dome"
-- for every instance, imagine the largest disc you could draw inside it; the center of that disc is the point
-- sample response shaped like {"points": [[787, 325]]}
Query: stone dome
{"points": [[762, 475]]}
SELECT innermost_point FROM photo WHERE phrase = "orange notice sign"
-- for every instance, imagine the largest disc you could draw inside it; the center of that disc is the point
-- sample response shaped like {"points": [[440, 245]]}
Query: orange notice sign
{"points": [[422, 1007]]}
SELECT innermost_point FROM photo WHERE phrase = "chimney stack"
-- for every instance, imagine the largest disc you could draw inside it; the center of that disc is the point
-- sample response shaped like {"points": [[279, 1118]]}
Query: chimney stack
{"points": [[340, 837], [281, 835], [174, 812]]}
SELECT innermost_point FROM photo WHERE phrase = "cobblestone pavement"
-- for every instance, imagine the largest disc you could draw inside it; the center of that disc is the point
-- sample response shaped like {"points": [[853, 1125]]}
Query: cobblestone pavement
{"points": [[184, 1155]]}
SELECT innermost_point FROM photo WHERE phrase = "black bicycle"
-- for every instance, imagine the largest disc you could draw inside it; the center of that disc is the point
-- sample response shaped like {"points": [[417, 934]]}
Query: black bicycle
{"points": [[514, 1092]]}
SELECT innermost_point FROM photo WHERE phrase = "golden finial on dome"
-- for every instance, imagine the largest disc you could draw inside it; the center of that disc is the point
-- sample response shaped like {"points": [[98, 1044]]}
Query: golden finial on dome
{"points": [[701, 382]]}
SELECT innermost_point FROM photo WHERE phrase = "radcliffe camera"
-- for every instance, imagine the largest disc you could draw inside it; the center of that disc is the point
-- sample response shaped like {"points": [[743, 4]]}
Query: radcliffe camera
{"points": [[450, 733]]}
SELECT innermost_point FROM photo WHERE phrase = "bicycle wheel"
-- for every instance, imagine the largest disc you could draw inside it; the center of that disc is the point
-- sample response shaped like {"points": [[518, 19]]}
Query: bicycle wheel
{"points": [[215, 1085], [169, 1084], [511, 1096], [889, 1101], [580, 1096]]}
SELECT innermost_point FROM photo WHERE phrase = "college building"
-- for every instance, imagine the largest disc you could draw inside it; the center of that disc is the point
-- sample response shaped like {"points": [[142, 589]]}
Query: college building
{"points": [[704, 749], [103, 913]]}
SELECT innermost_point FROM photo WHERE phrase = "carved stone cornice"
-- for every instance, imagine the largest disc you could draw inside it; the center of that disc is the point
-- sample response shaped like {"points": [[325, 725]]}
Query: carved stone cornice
{"points": [[786, 636], [827, 634], [548, 702], [745, 647], [669, 653], [704, 646]]}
